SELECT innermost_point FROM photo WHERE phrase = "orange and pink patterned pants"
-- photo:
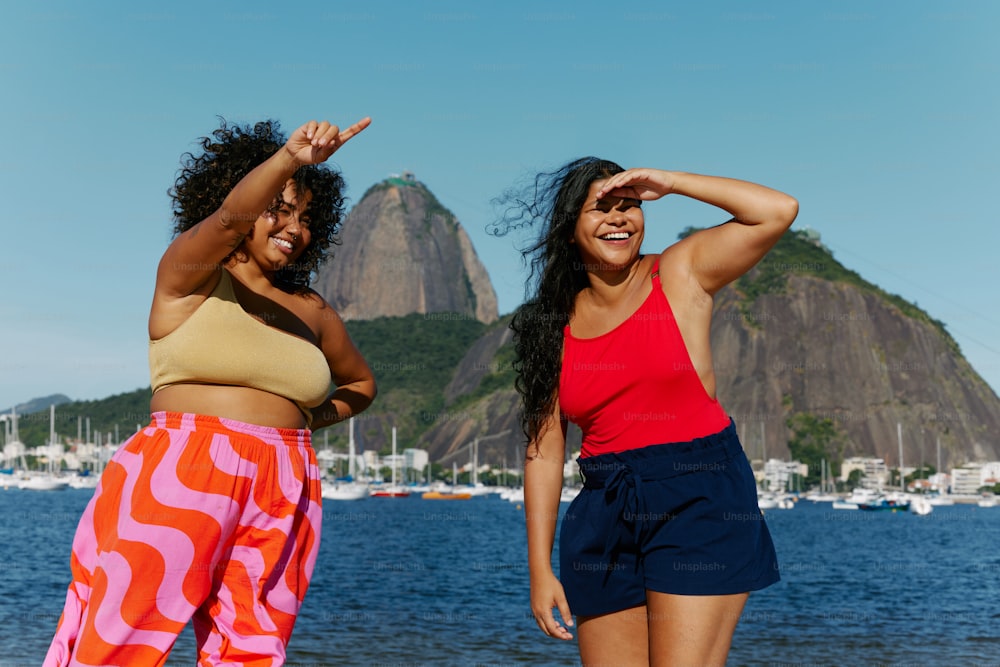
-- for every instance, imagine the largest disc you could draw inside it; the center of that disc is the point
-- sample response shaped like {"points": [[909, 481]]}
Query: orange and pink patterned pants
{"points": [[197, 518]]}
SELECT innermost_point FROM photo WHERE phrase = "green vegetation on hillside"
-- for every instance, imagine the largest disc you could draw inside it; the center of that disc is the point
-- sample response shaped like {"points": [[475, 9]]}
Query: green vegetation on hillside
{"points": [[416, 352], [813, 440], [413, 359], [121, 412]]}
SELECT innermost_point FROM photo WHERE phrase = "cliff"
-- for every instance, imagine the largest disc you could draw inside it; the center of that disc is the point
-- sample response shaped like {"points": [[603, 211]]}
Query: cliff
{"points": [[840, 352], [403, 252]]}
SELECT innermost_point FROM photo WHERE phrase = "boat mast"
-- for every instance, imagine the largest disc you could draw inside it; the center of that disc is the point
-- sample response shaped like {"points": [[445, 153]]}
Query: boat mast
{"points": [[938, 471], [52, 438], [350, 448], [899, 437], [393, 456]]}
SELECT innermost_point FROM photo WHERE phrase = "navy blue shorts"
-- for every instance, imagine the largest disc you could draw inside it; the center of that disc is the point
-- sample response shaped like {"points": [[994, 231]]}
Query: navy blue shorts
{"points": [[676, 518]]}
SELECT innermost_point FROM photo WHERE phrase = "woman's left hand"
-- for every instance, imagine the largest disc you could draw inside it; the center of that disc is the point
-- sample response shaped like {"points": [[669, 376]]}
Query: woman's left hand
{"points": [[645, 184]]}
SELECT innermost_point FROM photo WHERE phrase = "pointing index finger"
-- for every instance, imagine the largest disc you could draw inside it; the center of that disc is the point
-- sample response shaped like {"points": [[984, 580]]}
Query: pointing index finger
{"points": [[355, 129]]}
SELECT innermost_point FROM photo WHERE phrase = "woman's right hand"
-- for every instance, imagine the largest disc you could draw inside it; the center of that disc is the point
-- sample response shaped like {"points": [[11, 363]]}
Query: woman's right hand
{"points": [[546, 593], [315, 142]]}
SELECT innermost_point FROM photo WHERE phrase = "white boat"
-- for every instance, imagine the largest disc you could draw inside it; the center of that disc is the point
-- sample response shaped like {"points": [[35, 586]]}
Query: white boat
{"points": [[346, 489], [515, 495], [943, 500], [50, 480], [342, 490], [843, 505], [920, 504], [42, 482], [825, 494], [767, 501], [84, 481], [987, 500], [857, 498], [475, 489]]}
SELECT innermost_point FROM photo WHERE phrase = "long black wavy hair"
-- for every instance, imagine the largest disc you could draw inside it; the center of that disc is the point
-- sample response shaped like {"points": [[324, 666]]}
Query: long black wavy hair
{"points": [[557, 275], [233, 151]]}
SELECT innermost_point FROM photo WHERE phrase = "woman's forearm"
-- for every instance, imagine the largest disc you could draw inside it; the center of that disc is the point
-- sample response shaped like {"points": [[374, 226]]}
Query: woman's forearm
{"points": [[256, 191], [748, 203], [346, 401], [543, 479]]}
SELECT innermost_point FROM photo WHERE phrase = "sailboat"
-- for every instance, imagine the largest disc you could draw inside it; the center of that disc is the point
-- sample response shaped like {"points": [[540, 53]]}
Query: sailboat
{"points": [[939, 499], [394, 490], [825, 495], [48, 480], [88, 479], [346, 489]]}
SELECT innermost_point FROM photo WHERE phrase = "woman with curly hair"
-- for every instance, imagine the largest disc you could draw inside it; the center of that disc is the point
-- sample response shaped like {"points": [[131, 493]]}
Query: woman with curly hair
{"points": [[212, 511], [659, 551]]}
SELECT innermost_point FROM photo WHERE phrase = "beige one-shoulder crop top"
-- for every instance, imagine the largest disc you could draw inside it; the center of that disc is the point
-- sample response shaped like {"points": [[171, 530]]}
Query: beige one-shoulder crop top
{"points": [[220, 343]]}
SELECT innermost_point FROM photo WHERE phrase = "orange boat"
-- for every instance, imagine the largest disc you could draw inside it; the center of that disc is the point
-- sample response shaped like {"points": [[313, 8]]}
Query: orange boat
{"points": [[445, 495]]}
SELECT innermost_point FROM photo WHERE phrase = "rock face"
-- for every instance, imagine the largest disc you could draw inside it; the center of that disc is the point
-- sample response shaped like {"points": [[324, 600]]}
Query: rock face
{"points": [[403, 253], [840, 352]]}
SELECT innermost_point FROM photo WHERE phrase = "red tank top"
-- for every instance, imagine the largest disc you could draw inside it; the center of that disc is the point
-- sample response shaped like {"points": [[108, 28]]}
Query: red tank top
{"points": [[635, 385]]}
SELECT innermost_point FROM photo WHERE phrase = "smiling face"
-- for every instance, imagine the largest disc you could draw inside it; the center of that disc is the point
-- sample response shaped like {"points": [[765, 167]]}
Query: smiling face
{"points": [[609, 231], [282, 233]]}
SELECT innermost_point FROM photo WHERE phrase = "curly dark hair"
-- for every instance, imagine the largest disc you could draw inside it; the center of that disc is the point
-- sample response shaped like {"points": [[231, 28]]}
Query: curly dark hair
{"points": [[233, 151], [557, 275]]}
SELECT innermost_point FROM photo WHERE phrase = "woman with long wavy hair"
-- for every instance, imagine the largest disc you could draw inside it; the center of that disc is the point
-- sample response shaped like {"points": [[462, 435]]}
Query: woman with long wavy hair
{"points": [[213, 510], [659, 551]]}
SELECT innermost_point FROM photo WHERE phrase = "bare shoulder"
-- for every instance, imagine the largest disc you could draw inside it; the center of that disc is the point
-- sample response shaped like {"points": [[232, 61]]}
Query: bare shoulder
{"points": [[316, 307], [323, 318]]}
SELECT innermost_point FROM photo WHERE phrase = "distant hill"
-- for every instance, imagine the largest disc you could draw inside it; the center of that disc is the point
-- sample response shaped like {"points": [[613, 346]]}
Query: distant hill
{"points": [[403, 252], [36, 404]]}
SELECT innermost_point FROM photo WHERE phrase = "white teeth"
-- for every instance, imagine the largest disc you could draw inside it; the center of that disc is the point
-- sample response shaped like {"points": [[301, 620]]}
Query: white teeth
{"points": [[282, 242], [616, 236]]}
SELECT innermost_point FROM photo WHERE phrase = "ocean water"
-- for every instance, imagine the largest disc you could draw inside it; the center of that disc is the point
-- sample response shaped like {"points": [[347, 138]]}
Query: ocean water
{"points": [[408, 582]]}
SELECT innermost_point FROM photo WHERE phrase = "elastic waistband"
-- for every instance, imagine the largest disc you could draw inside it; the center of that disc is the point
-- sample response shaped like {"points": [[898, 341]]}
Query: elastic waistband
{"points": [[658, 462], [184, 421]]}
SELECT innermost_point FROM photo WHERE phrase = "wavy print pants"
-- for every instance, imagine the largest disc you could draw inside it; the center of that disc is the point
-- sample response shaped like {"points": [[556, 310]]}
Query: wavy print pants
{"points": [[197, 518]]}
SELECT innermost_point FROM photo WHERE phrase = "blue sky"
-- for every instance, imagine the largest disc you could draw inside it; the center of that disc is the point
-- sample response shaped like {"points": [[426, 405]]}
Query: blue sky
{"points": [[880, 117]]}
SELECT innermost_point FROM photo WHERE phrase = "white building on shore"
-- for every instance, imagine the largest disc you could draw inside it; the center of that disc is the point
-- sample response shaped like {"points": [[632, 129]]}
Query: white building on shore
{"points": [[874, 473], [777, 473], [968, 479]]}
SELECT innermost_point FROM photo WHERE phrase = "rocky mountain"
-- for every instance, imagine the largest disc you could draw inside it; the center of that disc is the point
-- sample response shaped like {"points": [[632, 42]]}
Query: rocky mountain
{"points": [[840, 352], [799, 335], [403, 252]]}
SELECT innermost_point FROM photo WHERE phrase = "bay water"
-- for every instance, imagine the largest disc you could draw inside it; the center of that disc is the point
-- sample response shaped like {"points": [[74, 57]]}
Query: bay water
{"points": [[406, 582]]}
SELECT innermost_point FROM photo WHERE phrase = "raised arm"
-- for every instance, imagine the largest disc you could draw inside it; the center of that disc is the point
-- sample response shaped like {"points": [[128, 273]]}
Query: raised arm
{"points": [[193, 257], [721, 254], [543, 479]]}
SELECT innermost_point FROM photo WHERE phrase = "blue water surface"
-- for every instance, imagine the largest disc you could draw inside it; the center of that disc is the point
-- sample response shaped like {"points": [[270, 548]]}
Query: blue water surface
{"points": [[407, 582]]}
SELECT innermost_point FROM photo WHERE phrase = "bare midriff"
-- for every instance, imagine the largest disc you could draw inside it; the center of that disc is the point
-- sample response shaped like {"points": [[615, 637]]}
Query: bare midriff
{"points": [[252, 406]]}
